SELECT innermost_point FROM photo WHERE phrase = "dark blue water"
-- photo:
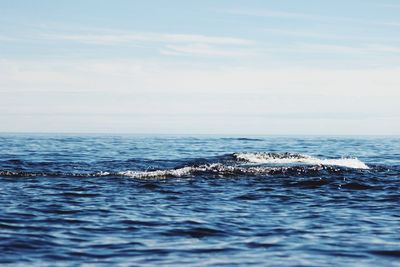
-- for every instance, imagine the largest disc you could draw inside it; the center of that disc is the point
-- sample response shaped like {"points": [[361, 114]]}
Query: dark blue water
{"points": [[176, 200]]}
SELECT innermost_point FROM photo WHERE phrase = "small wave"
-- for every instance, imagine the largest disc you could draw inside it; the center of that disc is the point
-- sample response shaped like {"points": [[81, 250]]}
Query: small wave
{"points": [[280, 163], [51, 174], [241, 139], [221, 170], [289, 158], [215, 169], [158, 173]]}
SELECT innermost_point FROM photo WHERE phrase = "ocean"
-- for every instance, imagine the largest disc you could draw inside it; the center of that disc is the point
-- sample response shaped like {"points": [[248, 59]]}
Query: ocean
{"points": [[163, 200]]}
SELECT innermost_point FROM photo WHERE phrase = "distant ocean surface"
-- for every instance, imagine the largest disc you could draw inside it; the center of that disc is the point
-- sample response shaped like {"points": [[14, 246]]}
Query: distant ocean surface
{"points": [[130, 200]]}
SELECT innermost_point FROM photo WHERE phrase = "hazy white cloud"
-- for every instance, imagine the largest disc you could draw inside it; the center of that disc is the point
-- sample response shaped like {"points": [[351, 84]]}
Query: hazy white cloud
{"points": [[145, 76], [122, 95]]}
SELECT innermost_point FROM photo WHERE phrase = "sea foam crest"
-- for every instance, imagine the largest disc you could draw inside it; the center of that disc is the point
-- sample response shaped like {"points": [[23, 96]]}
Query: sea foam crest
{"points": [[215, 169], [221, 170], [289, 158], [158, 173]]}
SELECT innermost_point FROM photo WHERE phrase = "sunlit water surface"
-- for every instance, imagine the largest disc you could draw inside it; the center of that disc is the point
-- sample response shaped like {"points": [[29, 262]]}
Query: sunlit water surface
{"points": [[202, 200]]}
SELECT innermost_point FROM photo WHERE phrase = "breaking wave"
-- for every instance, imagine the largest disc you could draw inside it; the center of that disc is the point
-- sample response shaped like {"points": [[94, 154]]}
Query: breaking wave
{"points": [[216, 169], [308, 165], [237, 164], [221, 170], [289, 158]]}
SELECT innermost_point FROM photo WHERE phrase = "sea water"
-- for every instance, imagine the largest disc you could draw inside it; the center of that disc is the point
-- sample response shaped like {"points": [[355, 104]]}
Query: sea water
{"points": [[129, 200]]}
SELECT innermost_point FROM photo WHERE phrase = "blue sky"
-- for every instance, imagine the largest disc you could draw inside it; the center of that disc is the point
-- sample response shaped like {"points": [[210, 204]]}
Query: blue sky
{"points": [[228, 67]]}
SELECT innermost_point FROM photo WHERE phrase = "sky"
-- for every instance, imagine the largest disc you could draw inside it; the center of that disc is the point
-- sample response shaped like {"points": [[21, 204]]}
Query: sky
{"points": [[247, 67]]}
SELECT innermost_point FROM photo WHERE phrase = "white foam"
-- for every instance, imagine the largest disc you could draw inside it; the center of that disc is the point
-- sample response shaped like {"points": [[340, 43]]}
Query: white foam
{"points": [[158, 173], [260, 158], [217, 168], [287, 158], [175, 172]]}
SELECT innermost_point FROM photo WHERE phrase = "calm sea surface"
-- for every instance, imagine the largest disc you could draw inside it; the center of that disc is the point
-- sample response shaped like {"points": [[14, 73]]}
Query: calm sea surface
{"points": [[70, 200]]}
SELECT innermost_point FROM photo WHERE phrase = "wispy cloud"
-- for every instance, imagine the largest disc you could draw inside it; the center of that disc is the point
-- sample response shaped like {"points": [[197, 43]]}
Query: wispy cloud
{"points": [[306, 34], [166, 43], [273, 14], [334, 48], [170, 44], [388, 5], [320, 36], [304, 16], [120, 38], [7, 39], [204, 50], [391, 24]]}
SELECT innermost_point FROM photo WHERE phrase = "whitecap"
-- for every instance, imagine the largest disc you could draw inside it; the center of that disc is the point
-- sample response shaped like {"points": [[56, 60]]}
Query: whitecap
{"points": [[288, 158]]}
